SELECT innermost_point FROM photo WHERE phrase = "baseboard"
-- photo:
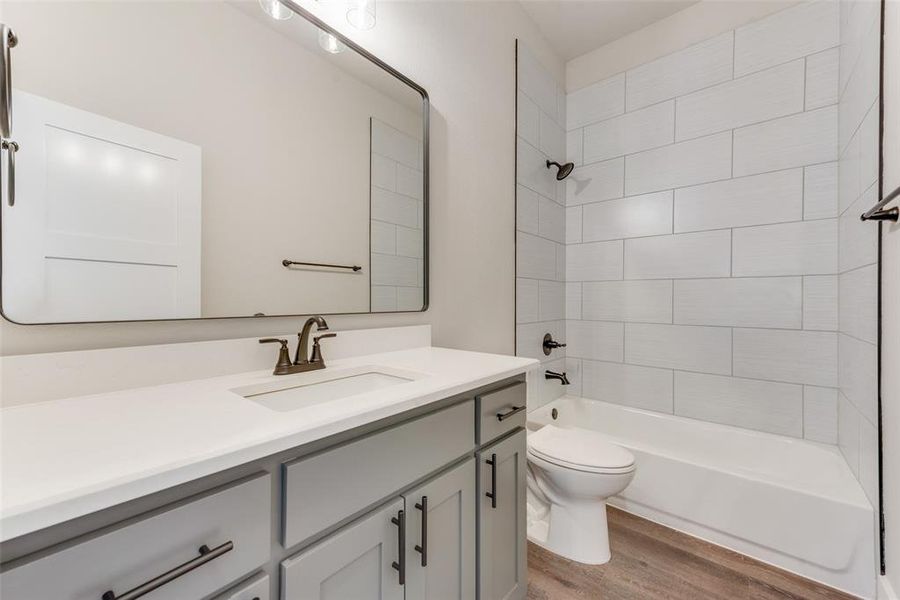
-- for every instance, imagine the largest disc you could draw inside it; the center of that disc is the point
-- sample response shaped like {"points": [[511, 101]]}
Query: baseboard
{"points": [[886, 590]]}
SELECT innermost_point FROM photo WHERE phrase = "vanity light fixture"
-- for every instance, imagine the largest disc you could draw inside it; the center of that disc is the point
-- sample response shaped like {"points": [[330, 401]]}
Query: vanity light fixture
{"points": [[276, 10], [361, 14], [330, 43]]}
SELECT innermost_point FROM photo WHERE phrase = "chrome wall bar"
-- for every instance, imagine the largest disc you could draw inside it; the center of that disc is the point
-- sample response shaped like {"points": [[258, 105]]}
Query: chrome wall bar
{"points": [[290, 263], [879, 213], [8, 40]]}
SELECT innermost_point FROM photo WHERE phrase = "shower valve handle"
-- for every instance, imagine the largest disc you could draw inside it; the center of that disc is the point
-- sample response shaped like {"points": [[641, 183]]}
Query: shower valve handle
{"points": [[550, 344]]}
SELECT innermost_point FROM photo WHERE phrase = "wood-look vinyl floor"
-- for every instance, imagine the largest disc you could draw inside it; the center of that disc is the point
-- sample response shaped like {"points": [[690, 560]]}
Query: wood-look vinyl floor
{"points": [[653, 562]]}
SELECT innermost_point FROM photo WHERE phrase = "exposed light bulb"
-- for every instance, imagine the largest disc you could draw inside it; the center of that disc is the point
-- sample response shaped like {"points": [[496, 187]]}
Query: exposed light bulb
{"points": [[361, 14], [276, 10], [330, 43]]}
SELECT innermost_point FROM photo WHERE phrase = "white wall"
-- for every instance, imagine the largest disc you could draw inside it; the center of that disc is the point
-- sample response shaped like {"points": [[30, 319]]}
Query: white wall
{"points": [[890, 272], [858, 126], [463, 54], [701, 228]]}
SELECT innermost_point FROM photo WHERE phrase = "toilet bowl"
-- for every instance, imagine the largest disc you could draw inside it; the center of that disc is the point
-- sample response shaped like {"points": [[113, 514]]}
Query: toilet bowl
{"points": [[571, 473]]}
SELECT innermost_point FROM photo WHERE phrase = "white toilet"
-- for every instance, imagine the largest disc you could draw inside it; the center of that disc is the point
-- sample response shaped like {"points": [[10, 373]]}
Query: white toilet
{"points": [[571, 473]]}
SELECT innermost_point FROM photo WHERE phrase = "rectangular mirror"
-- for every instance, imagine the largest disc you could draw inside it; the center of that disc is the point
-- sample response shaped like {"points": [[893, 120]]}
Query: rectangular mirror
{"points": [[185, 160]]}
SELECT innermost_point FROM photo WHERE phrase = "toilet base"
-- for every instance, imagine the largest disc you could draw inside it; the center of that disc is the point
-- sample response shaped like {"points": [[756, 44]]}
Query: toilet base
{"points": [[576, 531]]}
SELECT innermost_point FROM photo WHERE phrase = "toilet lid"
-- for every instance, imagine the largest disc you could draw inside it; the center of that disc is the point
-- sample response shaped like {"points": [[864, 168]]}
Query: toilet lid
{"points": [[580, 448]]}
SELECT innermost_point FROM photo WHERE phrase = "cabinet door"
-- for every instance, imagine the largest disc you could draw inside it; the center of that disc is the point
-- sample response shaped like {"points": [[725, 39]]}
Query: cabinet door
{"points": [[503, 573], [440, 537], [357, 562]]}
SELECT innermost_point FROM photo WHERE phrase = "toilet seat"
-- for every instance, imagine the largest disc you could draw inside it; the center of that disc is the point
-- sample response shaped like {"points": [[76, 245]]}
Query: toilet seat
{"points": [[580, 450]]}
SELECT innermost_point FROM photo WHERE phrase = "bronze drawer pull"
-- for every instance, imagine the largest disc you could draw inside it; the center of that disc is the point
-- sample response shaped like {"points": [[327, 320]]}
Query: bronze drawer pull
{"points": [[206, 555], [493, 493], [509, 413], [400, 564], [423, 547]]}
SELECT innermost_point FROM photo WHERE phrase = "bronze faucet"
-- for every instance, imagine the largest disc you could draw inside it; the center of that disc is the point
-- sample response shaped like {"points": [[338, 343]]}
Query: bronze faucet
{"points": [[301, 363]]}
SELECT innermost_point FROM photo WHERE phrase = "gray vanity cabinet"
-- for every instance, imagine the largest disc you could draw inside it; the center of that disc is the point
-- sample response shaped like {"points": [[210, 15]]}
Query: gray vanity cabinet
{"points": [[440, 537], [503, 573], [356, 562]]}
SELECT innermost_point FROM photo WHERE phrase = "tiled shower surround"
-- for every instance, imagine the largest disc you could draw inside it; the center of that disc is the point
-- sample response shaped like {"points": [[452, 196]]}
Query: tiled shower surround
{"points": [[858, 242], [700, 270], [540, 217]]}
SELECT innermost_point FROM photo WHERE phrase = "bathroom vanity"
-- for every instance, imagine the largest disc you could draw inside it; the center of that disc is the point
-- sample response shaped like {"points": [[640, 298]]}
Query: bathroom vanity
{"points": [[414, 490]]}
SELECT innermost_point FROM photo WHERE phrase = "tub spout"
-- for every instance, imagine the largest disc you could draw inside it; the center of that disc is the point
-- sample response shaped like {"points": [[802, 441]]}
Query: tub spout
{"points": [[554, 375]]}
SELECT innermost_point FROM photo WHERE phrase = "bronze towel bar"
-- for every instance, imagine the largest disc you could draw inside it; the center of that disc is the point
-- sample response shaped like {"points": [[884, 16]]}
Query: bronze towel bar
{"points": [[879, 213], [288, 263]]}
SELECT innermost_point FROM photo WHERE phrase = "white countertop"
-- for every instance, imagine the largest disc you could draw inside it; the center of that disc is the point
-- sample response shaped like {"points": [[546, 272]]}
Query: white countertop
{"points": [[63, 459]]}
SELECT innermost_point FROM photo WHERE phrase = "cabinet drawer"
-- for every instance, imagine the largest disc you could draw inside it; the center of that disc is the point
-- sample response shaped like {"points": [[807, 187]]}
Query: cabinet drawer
{"points": [[132, 555], [256, 588], [324, 489], [500, 411]]}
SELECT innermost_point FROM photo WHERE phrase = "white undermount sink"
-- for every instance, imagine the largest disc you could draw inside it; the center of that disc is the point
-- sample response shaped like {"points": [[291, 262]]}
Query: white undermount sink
{"points": [[317, 387]]}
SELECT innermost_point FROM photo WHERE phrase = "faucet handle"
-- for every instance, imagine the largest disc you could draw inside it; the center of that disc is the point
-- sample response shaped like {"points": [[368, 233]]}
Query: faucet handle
{"points": [[316, 349], [549, 344], [284, 355]]}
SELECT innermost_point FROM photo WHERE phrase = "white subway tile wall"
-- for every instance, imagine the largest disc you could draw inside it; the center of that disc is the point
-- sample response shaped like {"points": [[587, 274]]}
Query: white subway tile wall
{"points": [[858, 152], [635, 386], [801, 31], [596, 182], [820, 414], [634, 301], [800, 248], [822, 79], [710, 261], [756, 200], [701, 230], [679, 165], [699, 349], [596, 102], [768, 94], [681, 73], [820, 302], [802, 139], [632, 132], [750, 403], [397, 208], [774, 302], [543, 223], [820, 191]]}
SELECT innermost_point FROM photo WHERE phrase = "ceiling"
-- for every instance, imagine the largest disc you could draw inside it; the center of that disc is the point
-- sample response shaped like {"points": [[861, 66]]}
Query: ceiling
{"points": [[575, 27]]}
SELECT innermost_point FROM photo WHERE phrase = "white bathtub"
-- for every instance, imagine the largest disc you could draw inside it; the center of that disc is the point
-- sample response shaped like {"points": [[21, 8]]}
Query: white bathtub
{"points": [[791, 503]]}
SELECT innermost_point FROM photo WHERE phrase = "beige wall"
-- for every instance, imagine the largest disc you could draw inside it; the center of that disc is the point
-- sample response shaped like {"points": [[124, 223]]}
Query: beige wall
{"points": [[278, 182], [463, 54]]}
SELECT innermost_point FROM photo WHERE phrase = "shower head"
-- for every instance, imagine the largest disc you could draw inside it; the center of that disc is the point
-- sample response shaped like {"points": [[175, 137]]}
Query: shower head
{"points": [[563, 171]]}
